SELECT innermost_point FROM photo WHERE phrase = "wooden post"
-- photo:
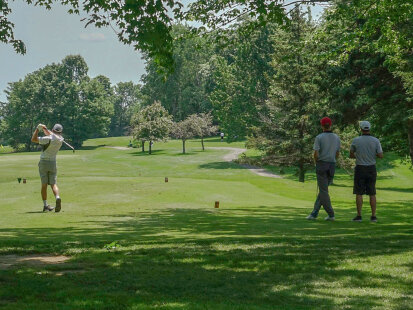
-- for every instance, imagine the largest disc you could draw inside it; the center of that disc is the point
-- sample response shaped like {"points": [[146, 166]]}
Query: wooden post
{"points": [[216, 204], [166, 180]]}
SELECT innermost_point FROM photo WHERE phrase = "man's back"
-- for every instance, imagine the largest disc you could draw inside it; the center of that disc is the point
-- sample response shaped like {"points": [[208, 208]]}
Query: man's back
{"points": [[327, 144], [51, 145], [366, 148]]}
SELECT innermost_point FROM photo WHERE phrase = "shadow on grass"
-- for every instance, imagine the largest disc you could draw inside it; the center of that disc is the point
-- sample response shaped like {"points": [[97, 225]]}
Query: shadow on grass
{"points": [[221, 165], [191, 152], [85, 148], [146, 153], [263, 258]]}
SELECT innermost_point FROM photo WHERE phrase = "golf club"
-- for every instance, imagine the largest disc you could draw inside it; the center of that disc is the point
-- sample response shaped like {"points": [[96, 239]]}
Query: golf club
{"points": [[69, 145]]}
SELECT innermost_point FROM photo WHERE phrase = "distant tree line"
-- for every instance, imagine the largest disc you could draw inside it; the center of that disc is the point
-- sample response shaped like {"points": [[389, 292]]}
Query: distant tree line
{"points": [[266, 71], [64, 93]]}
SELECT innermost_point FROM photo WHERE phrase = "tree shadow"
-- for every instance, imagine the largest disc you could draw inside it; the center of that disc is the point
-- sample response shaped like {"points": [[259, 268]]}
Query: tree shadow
{"points": [[267, 258], [396, 189], [221, 165], [86, 147], [191, 152], [146, 153]]}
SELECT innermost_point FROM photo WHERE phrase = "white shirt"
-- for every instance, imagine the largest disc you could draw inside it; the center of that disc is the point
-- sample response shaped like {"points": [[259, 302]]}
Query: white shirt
{"points": [[56, 142]]}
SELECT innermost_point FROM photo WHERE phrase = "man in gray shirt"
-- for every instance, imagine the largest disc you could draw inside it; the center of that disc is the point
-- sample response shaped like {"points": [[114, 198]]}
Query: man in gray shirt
{"points": [[365, 149], [326, 151]]}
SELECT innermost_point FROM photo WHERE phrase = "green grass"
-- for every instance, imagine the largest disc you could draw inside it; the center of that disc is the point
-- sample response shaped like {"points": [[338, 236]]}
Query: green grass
{"points": [[173, 250]]}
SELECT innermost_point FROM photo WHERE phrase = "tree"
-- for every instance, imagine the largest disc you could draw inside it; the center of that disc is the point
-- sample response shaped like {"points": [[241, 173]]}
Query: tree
{"points": [[369, 66], [21, 114], [288, 128], [184, 91], [58, 93], [183, 130], [202, 126], [152, 123], [83, 105], [241, 79], [126, 101]]}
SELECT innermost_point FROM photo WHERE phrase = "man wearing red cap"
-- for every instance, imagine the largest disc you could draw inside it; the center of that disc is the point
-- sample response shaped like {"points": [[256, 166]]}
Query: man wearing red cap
{"points": [[326, 151]]}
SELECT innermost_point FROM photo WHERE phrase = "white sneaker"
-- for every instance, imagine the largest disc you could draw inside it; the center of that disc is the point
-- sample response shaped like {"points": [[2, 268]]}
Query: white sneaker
{"points": [[310, 217], [330, 218]]}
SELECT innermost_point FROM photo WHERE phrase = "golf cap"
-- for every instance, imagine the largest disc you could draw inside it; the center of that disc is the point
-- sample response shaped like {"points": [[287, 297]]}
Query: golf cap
{"points": [[365, 125], [57, 128], [326, 121]]}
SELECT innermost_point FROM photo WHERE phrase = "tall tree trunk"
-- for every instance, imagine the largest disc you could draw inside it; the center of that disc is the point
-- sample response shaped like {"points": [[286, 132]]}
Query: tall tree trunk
{"points": [[301, 171], [150, 147], [143, 146], [183, 146], [410, 135], [202, 142]]}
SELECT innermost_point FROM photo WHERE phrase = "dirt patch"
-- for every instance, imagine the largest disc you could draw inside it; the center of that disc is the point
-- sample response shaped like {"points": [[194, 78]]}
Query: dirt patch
{"points": [[235, 152], [262, 172], [123, 148], [6, 261]]}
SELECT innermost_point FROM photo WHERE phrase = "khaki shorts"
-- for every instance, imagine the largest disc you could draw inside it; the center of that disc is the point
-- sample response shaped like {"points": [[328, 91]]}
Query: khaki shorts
{"points": [[48, 171]]}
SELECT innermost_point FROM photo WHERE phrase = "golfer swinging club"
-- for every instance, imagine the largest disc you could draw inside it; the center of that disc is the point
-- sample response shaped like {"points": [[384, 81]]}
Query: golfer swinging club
{"points": [[51, 143], [326, 151]]}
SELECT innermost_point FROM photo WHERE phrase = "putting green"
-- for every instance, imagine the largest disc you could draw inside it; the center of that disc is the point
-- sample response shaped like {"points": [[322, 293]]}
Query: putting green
{"points": [[136, 242]]}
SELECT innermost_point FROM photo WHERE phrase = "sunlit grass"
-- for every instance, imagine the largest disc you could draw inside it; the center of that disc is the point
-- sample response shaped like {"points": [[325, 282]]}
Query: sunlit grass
{"points": [[136, 242]]}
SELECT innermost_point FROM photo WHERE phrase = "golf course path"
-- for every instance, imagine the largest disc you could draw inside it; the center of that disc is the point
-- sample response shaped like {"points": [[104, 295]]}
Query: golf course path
{"points": [[235, 152], [123, 148]]}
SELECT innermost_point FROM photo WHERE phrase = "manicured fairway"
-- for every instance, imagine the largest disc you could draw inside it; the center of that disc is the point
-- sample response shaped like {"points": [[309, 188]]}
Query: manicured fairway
{"points": [[136, 242]]}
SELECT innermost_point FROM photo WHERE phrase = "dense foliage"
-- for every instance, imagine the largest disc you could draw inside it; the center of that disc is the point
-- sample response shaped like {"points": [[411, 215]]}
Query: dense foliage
{"points": [[64, 93], [152, 123], [262, 69]]}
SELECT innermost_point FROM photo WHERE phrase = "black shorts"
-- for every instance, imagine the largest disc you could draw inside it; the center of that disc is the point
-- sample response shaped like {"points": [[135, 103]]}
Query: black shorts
{"points": [[365, 180]]}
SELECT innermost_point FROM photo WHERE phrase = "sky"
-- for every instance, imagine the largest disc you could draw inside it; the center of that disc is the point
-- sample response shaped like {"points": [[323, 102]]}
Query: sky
{"points": [[52, 35]]}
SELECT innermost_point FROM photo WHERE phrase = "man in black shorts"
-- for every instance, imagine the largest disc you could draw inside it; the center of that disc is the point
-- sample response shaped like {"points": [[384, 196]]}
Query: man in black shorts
{"points": [[365, 149]]}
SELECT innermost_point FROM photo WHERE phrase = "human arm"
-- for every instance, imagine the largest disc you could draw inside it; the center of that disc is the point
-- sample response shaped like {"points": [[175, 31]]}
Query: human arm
{"points": [[41, 140], [338, 148], [46, 131], [316, 149], [353, 150], [379, 150], [315, 155], [35, 137]]}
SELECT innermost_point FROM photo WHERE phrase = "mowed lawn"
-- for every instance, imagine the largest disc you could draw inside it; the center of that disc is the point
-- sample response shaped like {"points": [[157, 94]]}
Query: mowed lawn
{"points": [[136, 242]]}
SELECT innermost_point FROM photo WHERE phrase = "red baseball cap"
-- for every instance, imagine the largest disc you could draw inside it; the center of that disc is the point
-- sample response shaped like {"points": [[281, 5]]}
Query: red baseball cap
{"points": [[326, 121]]}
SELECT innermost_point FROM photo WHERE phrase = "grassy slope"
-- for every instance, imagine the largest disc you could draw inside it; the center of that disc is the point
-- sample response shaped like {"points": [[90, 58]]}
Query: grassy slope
{"points": [[176, 252]]}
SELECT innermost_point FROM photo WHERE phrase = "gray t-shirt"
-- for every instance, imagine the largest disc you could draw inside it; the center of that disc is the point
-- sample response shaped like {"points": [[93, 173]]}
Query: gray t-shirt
{"points": [[56, 142], [327, 144], [366, 148]]}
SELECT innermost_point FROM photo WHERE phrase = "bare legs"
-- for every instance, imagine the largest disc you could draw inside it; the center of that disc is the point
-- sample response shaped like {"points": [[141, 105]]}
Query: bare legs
{"points": [[55, 190], [359, 203], [44, 191]]}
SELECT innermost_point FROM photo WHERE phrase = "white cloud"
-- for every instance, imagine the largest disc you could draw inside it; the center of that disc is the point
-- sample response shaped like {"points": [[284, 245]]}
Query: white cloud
{"points": [[92, 37]]}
